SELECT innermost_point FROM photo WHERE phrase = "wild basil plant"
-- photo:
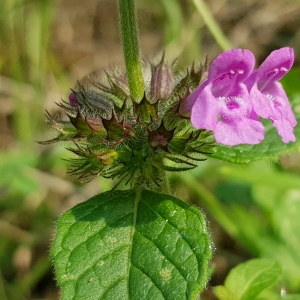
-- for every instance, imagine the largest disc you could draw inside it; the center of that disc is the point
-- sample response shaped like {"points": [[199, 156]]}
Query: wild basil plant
{"points": [[137, 241]]}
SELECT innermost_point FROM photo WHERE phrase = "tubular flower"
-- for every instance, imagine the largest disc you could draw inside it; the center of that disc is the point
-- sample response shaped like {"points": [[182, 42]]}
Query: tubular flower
{"points": [[268, 96], [222, 102]]}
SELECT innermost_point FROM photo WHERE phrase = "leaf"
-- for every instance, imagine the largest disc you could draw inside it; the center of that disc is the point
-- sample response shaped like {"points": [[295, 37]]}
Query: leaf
{"points": [[223, 293], [248, 279], [262, 174], [289, 297], [14, 166], [118, 245], [286, 224]]}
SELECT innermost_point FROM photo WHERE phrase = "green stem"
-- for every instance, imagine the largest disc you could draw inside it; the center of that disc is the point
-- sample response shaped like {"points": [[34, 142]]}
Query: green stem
{"points": [[129, 33], [212, 25], [26, 283], [166, 183], [210, 202]]}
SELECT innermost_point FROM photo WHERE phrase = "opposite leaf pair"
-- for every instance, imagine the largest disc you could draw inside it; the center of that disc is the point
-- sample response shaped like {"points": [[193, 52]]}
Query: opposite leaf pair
{"points": [[230, 101]]}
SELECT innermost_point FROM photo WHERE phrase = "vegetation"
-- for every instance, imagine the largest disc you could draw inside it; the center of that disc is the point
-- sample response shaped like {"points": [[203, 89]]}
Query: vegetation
{"points": [[45, 46]]}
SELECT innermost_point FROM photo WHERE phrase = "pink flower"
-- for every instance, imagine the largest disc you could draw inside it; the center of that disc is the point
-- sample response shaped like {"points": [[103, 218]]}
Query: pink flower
{"points": [[222, 102], [268, 96], [72, 100]]}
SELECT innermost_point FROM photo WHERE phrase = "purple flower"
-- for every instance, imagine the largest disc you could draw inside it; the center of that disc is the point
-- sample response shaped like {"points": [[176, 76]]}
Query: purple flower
{"points": [[72, 100], [222, 103], [267, 94]]}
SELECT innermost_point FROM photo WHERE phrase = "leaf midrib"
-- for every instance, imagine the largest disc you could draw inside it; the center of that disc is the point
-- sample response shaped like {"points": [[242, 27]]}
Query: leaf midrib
{"points": [[138, 196]]}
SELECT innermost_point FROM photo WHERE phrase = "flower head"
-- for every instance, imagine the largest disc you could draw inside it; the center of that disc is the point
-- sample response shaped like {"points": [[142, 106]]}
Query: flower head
{"points": [[268, 96], [222, 103], [134, 143]]}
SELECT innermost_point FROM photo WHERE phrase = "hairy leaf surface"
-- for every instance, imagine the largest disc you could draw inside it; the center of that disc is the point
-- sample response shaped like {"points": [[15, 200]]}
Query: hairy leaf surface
{"points": [[123, 245]]}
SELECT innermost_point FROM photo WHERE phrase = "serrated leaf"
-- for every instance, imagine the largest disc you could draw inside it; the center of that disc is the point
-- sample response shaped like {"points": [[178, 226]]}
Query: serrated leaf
{"points": [[248, 279], [120, 246]]}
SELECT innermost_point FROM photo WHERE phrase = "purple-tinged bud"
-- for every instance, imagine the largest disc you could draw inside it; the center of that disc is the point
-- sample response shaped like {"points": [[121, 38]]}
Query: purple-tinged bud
{"points": [[116, 137], [161, 80], [72, 99], [118, 83], [160, 138]]}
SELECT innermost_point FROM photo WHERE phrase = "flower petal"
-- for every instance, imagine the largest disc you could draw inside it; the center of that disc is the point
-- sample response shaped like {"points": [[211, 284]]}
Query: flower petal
{"points": [[285, 130], [273, 104], [239, 131], [236, 60], [186, 105], [276, 65], [261, 104], [234, 107], [280, 103], [72, 100], [205, 110]]}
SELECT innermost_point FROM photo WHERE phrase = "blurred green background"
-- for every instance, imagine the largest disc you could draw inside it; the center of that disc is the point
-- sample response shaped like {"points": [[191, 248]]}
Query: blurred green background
{"points": [[47, 45]]}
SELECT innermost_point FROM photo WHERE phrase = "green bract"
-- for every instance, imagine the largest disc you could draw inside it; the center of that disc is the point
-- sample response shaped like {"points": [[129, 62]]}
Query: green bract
{"points": [[135, 142]]}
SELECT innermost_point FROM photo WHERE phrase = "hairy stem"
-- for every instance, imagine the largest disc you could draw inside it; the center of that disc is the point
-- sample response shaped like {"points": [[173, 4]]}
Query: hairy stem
{"points": [[166, 183], [129, 34]]}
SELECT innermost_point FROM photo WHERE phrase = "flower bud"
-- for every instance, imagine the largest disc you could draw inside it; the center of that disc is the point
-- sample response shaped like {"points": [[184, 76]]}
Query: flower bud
{"points": [[160, 138], [72, 99], [161, 80], [130, 142]]}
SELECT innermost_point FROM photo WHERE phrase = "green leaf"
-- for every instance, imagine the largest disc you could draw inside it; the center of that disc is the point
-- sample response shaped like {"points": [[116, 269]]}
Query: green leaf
{"points": [[289, 297], [286, 224], [223, 293], [123, 245], [248, 279], [14, 169]]}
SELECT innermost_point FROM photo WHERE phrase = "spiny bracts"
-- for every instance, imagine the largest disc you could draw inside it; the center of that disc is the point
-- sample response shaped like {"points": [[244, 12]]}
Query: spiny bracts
{"points": [[130, 141]]}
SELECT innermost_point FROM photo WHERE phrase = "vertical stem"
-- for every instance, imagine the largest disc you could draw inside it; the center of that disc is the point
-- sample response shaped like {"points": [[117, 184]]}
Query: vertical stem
{"points": [[166, 183], [211, 203], [212, 25], [129, 33]]}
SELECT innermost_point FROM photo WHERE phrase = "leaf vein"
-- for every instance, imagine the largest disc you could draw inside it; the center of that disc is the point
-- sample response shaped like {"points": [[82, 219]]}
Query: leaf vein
{"points": [[80, 275], [177, 229], [112, 285], [164, 254], [148, 276], [89, 236]]}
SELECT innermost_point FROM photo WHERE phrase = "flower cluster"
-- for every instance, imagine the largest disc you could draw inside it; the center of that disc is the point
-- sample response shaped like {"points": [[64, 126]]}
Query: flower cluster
{"points": [[233, 97], [132, 141], [171, 128]]}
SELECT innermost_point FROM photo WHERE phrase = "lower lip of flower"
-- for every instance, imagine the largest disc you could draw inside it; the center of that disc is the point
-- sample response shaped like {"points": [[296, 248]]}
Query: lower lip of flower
{"points": [[232, 107]]}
